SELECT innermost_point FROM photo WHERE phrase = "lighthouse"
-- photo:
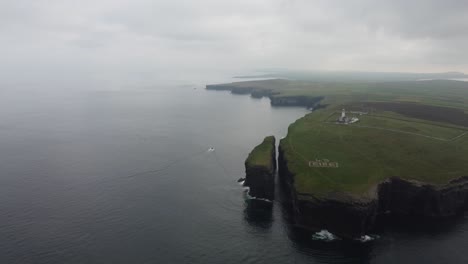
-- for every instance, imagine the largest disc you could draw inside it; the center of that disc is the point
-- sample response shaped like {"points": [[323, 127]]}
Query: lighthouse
{"points": [[346, 120], [342, 118]]}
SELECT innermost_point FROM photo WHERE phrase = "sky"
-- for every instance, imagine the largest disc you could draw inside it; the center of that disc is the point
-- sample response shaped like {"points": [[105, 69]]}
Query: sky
{"points": [[112, 39]]}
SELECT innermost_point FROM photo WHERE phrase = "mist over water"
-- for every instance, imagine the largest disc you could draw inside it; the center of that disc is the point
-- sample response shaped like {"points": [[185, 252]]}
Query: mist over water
{"points": [[123, 174]]}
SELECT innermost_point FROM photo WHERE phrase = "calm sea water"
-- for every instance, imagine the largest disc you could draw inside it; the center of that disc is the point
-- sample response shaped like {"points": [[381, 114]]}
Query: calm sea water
{"points": [[125, 176]]}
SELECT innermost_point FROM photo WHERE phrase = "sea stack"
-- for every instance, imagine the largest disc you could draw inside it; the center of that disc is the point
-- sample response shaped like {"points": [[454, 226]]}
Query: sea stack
{"points": [[260, 169]]}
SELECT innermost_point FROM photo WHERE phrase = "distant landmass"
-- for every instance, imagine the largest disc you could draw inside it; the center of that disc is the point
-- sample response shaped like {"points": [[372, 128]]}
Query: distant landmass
{"points": [[375, 145], [333, 76]]}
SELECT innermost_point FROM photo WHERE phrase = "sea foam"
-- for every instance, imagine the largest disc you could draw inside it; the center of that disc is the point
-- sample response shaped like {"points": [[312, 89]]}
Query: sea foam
{"points": [[249, 197]]}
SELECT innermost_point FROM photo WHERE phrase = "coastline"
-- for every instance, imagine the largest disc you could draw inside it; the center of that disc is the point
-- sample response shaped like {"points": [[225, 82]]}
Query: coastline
{"points": [[393, 197]]}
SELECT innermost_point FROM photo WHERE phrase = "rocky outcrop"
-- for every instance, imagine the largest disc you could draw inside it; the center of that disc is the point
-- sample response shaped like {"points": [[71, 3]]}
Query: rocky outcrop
{"points": [[260, 169], [350, 217]]}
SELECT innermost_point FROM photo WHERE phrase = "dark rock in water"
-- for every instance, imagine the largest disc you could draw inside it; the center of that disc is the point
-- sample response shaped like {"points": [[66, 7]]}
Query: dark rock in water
{"points": [[260, 169], [241, 180], [350, 216]]}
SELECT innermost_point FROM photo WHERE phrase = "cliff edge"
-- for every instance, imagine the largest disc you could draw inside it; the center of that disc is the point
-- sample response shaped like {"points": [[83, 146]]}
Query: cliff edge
{"points": [[350, 216], [260, 169]]}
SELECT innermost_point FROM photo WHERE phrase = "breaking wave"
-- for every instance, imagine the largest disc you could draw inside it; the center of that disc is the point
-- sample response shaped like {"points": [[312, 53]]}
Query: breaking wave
{"points": [[249, 197]]}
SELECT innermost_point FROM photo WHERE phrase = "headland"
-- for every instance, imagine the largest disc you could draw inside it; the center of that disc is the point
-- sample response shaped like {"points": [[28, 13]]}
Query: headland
{"points": [[405, 154]]}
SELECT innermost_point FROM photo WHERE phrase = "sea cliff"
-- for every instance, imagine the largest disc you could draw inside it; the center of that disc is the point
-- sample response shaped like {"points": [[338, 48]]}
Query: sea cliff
{"points": [[408, 198], [427, 152], [350, 216], [307, 101], [260, 169], [275, 98]]}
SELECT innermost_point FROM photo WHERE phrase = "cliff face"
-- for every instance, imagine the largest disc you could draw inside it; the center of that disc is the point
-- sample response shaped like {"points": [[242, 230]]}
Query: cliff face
{"points": [[295, 101], [415, 199], [351, 217], [256, 92], [260, 176]]}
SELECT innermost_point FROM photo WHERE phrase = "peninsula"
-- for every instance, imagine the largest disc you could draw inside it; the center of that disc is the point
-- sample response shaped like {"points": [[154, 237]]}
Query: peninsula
{"points": [[405, 154]]}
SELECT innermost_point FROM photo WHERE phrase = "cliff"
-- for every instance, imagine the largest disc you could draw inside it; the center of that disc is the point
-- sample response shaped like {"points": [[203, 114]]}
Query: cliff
{"points": [[260, 167], [342, 178], [351, 216], [404, 198], [275, 98], [253, 91], [295, 100]]}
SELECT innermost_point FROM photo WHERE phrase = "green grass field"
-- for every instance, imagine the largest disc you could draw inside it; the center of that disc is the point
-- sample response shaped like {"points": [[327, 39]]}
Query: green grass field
{"points": [[445, 93], [413, 130], [400, 126], [261, 154], [371, 150]]}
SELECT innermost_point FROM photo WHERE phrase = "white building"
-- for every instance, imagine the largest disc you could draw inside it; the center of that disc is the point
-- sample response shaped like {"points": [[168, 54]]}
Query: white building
{"points": [[346, 120], [343, 116]]}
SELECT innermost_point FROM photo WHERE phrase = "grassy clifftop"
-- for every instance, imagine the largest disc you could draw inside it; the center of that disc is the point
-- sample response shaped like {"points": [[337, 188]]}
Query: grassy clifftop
{"points": [[413, 130], [261, 154], [401, 149], [328, 157], [445, 93]]}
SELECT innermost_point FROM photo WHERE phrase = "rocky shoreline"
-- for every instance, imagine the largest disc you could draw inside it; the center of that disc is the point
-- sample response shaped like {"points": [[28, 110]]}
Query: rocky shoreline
{"points": [[352, 217]]}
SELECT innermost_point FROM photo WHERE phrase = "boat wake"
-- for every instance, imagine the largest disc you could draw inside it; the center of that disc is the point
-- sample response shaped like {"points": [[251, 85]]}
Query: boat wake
{"points": [[367, 238], [324, 235]]}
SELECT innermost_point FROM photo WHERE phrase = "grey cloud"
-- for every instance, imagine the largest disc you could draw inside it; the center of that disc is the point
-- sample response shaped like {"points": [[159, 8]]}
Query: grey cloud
{"points": [[413, 19], [111, 37]]}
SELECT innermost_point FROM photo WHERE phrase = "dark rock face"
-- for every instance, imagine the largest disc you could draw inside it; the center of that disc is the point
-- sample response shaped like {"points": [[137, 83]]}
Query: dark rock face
{"points": [[342, 215], [295, 101], [351, 217], [261, 182], [219, 87], [275, 101], [414, 199], [261, 93], [255, 92], [346, 218], [261, 179]]}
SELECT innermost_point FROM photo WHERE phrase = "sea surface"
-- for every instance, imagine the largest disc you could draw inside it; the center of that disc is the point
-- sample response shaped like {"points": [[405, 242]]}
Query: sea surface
{"points": [[126, 176]]}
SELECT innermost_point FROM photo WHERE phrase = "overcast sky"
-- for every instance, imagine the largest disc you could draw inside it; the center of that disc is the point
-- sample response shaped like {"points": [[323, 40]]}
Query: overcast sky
{"points": [[92, 38]]}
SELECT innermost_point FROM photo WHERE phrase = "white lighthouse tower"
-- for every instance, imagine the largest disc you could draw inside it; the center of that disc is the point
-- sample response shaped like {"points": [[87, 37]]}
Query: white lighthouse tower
{"points": [[342, 118]]}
